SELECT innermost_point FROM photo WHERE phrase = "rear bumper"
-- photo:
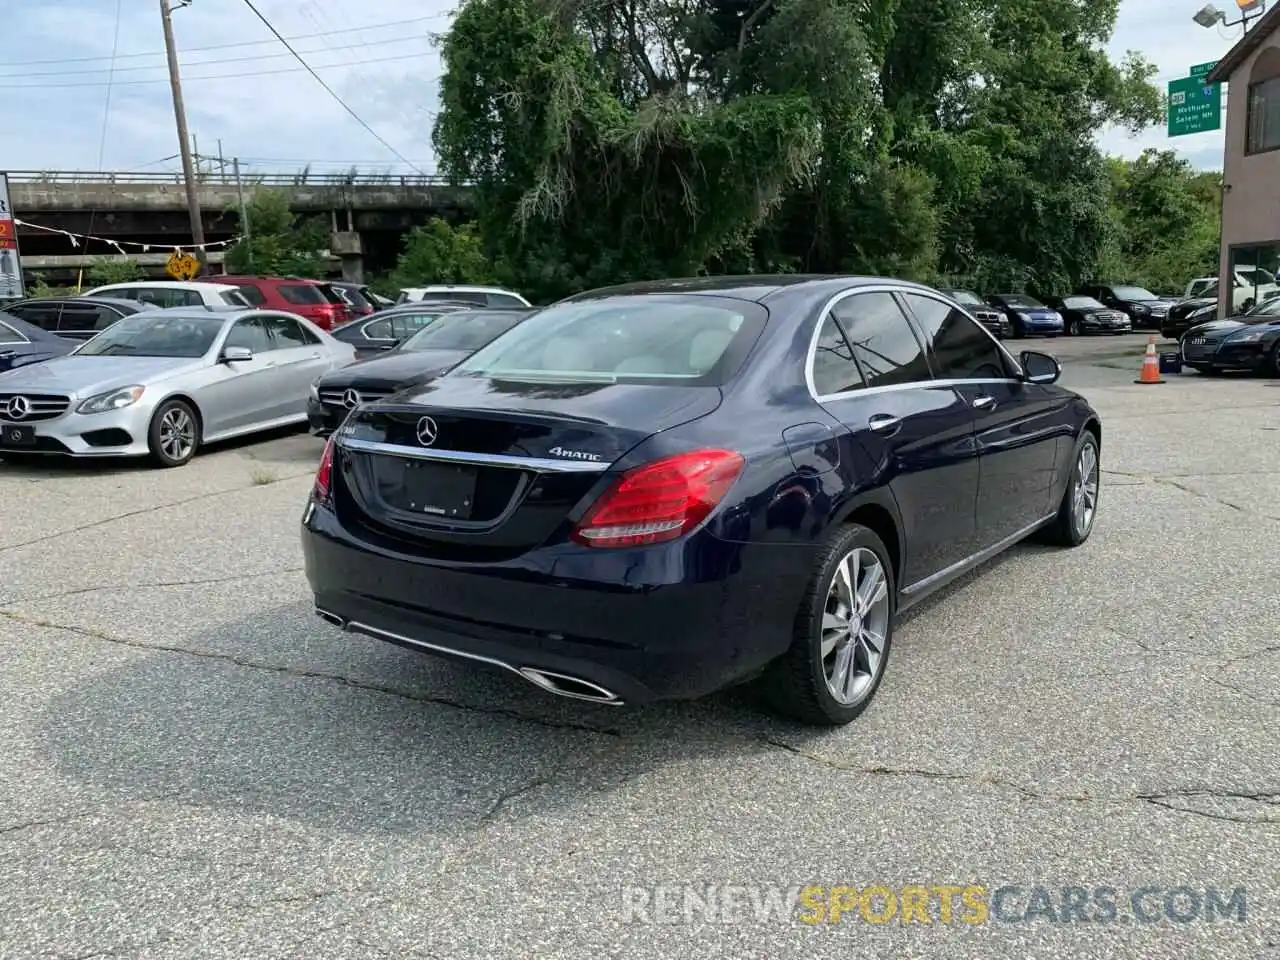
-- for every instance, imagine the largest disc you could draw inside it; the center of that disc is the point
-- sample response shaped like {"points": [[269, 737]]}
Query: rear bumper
{"points": [[672, 621]]}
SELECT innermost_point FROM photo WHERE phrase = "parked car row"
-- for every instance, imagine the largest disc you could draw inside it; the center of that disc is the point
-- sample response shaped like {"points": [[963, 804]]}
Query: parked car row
{"points": [[1092, 309]]}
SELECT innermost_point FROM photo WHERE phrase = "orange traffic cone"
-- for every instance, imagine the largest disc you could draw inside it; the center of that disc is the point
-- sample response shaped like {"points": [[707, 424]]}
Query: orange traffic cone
{"points": [[1150, 364]]}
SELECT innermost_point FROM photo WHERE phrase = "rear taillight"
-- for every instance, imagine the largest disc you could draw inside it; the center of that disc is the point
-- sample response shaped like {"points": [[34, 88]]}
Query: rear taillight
{"points": [[323, 489], [659, 501]]}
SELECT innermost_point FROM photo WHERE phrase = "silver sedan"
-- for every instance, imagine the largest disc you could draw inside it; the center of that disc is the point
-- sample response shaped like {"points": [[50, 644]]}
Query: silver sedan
{"points": [[164, 382]]}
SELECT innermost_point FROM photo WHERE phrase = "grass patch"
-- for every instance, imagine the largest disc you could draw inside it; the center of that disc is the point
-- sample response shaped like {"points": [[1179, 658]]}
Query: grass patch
{"points": [[261, 476]]}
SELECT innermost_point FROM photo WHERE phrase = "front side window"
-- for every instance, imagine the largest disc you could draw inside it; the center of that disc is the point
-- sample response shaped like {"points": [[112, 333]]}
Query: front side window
{"points": [[883, 343], [961, 349], [250, 333], [662, 337], [1263, 116], [147, 336], [77, 317], [834, 370], [42, 315]]}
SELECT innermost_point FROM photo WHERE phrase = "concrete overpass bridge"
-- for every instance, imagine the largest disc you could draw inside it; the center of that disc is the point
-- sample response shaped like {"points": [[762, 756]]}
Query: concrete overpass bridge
{"points": [[369, 214]]}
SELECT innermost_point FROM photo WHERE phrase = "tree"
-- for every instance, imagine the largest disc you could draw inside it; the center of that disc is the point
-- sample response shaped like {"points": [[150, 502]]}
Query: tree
{"points": [[643, 138], [279, 243], [106, 270], [440, 253]]}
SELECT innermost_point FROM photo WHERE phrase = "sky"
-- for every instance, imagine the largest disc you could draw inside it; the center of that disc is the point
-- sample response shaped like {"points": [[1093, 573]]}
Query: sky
{"points": [[62, 107]]}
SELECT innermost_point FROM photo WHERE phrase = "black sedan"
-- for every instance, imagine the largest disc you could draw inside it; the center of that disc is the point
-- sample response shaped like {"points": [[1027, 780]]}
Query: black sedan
{"points": [[1081, 315], [1189, 313], [658, 490], [991, 318], [1143, 307], [1247, 342], [23, 343], [388, 328], [77, 318], [446, 341]]}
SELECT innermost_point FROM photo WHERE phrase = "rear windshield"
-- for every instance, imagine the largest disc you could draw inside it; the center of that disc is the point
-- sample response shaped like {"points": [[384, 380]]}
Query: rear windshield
{"points": [[689, 339], [464, 331], [252, 296], [330, 293], [1019, 300], [238, 297], [465, 296], [301, 293]]}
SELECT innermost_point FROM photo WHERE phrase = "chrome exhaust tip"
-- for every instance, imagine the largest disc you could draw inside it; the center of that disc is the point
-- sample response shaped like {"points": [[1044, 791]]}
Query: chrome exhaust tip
{"points": [[333, 618], [575, 688]]}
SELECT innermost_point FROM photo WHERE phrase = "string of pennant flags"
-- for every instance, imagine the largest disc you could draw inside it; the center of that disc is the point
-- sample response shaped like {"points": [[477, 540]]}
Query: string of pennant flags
{"points": [[77, 239]]}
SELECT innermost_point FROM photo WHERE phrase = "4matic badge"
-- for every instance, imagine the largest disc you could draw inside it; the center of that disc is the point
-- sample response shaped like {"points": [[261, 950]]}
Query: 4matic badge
{"points": [[574, 454]]}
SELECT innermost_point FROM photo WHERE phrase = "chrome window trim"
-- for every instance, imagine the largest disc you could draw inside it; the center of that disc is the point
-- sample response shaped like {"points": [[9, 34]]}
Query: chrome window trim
{"points": [[17, 333], [541, 464], [892, 288]]}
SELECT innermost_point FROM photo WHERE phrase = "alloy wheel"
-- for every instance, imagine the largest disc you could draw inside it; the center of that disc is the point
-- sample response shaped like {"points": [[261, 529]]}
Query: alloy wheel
{"points": [[855, 623], [177, 434], [1084, 499]]}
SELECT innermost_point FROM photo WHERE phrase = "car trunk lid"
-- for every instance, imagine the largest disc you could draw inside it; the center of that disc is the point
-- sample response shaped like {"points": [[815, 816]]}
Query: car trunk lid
{"points": [[470, 468]]}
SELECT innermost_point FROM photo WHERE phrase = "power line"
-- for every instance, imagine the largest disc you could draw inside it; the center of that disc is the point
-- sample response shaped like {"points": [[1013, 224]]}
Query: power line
{"points": [[190, 63], [228, 46], [42, 87], [328, 89], [106, 109]]}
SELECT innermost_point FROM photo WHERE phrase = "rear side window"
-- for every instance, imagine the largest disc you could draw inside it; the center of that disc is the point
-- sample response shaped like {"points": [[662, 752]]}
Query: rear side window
{"points": [[10, 335], [302, 293], [504, 300], [662, 338], [398, 326], [459, 297], [42, 315], [884, 345], [79, 318], [961, 349], [252, 295], [289, 333], [834, 370]]}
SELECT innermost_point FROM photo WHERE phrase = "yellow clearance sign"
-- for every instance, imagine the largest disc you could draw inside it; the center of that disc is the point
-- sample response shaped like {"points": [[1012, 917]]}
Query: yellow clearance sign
{"points": [[182, 266]]}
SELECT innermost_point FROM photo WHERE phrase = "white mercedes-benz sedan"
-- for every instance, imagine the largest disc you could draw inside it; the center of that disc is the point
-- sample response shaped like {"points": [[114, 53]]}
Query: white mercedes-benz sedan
{"points": [[164, 382]]}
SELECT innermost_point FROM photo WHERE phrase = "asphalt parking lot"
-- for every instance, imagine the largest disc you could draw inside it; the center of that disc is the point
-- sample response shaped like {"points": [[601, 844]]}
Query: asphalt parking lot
{"points": [[192, 765]]}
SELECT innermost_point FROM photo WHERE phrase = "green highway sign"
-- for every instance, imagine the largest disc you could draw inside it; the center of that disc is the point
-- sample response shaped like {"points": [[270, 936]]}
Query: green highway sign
{"points": [[1194, 107], [1202, 69]]}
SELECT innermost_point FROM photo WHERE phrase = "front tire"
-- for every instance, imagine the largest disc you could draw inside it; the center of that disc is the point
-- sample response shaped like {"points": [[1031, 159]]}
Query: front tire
{"points": [[843, 633], [174, 434], [1079, 507], [1073, 328]]}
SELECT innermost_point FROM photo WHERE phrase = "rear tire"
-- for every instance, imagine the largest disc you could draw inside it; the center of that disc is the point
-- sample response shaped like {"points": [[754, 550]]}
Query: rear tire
{"points": [[1079, 507], [174, 434], [830, 631]]}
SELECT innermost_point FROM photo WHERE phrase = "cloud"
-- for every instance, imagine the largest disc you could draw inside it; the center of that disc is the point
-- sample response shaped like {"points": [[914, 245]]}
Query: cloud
{"points": [[250, 95]]}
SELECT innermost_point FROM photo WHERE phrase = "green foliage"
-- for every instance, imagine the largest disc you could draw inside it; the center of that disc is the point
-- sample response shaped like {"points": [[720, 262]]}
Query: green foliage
{"points": [[941, 138], [279, 244], [105, 270], [440, 253]]}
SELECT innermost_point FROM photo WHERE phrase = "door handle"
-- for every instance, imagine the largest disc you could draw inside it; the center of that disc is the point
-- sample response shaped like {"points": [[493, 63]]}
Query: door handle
{"points": [[883, 423], [984, 403]]}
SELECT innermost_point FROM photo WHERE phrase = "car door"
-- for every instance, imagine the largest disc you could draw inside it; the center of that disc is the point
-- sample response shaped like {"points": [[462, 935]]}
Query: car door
{"points": [[1019, 427], [918, 432], [299, 358], [240, 393]]}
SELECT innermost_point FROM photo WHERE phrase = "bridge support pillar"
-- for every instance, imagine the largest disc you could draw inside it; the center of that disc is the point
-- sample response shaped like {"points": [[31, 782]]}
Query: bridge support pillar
{"points": [[347, 247]]}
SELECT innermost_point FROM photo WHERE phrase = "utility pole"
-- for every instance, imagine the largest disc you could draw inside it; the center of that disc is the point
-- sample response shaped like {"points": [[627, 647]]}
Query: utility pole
{"points": [[184, 141], [244, 210]]}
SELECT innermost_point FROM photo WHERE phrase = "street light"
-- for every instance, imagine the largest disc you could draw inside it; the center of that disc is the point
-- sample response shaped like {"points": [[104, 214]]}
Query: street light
{"points": [[1210, 16]]}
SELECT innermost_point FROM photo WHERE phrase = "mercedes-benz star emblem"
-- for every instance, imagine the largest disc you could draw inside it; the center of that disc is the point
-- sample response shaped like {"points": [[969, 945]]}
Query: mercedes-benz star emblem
{"points": [[427, 431], [18, 407], [350, 399]]}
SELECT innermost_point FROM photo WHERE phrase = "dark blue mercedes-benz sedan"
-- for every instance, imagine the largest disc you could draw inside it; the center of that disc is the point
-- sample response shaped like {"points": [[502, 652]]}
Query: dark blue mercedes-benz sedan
{"points": [[658, 490]]}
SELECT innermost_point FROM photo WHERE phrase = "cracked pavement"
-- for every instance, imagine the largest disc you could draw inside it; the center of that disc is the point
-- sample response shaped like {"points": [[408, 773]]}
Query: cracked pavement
{"points": [[194, 766]]}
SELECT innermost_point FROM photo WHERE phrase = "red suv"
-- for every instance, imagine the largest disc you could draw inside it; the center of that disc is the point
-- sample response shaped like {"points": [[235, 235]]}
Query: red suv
{"points": [[315, 300]]}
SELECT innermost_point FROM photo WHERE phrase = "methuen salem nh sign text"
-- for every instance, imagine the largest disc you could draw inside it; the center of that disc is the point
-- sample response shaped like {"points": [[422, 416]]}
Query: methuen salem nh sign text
{"points": [[1195, 106]]}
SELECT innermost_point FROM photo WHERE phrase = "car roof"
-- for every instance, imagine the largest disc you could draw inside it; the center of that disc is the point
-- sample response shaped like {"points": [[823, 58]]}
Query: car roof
{"points": [[755, 287], [197, 285], [81, 298], [246, 278]]}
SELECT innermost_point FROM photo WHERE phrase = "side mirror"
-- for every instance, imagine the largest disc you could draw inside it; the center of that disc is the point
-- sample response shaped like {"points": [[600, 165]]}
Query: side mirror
{"points": [[236, 354], [1039, 367]]}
